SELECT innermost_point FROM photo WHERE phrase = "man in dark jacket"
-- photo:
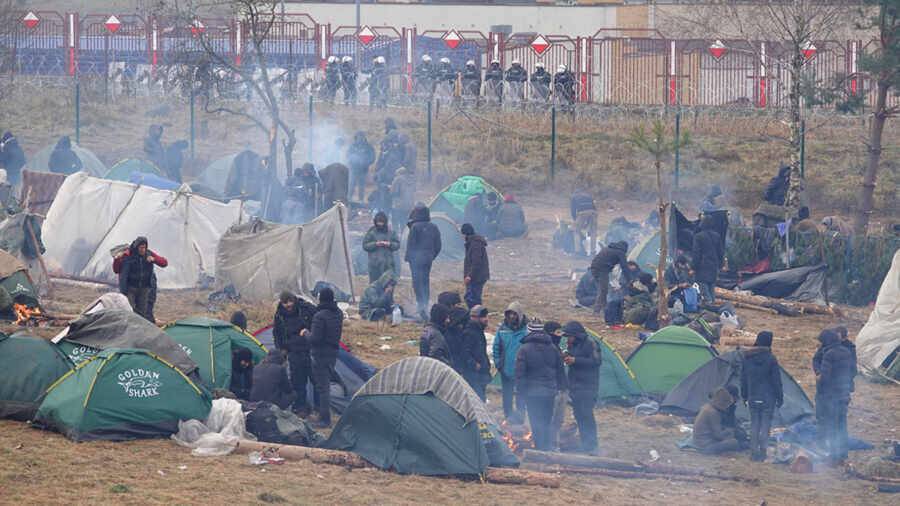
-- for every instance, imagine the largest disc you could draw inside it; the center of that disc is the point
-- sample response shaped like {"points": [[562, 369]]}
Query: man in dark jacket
{"points": [[708, 256], [471, 80], [12, 158], [583, 358], [476, 267], [377, 300], [380, 243], [511, 218], [776, 191], [241, 373], [476, 367], [270, 382], [422, 248], [293, 319], [63, 160], [174, 160], [710, 435], [454, 335], [584, 214], [433, 343], [761, 390], [136, 277], [540, 82], [834, 383], [540, 374], [324, 342], [360, 156], [516, 77], [153, 146], [449, 299], [602, 265], [493, 82], [586, 290], [678, 279]]}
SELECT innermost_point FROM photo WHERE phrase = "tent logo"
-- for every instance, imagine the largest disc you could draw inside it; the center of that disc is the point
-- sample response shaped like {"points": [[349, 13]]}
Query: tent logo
{"points": [[186, 349], [20, 288], [140, 383], [80, 354]]}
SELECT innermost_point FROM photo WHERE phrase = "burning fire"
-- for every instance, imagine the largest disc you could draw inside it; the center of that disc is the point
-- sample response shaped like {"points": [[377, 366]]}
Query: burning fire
{"points": [[516, 437], [25, 314]]}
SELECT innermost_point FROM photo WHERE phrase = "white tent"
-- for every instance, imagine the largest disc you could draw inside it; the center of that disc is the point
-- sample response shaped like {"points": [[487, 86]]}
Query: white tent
{"points": [[879, 339], [90, 217], [261, 259]]}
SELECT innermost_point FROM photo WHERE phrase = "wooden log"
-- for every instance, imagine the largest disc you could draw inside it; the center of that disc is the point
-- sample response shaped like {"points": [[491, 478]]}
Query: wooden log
{"points": [[621, 474], [539, 457], [317, 455], [522, 477], [767, 302], [754, 307]]}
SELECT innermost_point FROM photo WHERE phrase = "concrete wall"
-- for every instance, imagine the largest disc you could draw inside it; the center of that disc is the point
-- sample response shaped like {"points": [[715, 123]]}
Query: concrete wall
{"points": [[550, 19]]}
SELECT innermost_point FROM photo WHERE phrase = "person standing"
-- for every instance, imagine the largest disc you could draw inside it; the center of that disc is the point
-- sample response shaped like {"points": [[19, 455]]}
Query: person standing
{"points": [[834, 384], [12, 158], [402, 197], [506, 345], [540, 374], [360, 156], [158, 260], [136, 277], [476, 267], [583, 358], [324, 342], [602, 265], [380, 243], [708, 255], [476, 368], [422, 248], [761, 389], [433, 344], [153, 146], [583, 210], [292, 321]]}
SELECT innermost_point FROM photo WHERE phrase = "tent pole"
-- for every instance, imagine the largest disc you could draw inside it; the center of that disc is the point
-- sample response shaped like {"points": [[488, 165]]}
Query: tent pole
{"points": [[346, 251]]}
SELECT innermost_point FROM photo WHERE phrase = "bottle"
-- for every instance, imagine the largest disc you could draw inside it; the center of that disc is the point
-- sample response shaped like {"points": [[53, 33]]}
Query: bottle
{"points": [[396, 316]]}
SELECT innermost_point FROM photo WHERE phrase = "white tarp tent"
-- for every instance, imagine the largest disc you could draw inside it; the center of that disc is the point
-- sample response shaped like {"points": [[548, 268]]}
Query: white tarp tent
{"points": [[261, 259], [880, 337], [90, 217]]}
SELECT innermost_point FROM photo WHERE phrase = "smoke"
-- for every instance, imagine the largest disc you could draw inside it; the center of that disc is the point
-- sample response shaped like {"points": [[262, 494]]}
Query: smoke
{"points": [[329, 145]]}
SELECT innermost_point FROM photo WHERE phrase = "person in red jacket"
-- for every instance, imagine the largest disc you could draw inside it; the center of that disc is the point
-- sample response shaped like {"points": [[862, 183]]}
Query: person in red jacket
{"points": [[157, 260]]}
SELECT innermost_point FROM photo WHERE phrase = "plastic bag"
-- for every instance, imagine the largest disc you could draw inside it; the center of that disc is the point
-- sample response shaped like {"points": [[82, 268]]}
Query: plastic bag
{"points": [[219, 434]]}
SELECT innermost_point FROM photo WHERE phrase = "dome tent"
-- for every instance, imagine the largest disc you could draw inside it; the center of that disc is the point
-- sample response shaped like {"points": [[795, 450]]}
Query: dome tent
{"points": [[28, 365], [233, 175], [451, 201], [122, 394], [40, 162], [14, 278], [618, 383], [667, 357], [123, 169]]}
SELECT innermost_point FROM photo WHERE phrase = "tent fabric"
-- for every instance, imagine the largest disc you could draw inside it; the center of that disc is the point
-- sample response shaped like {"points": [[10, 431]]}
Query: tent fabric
{"points": [[14, 278], [618, 383], [118, 328], [261, 259], [804, 284], [40, 161], [109, 300], [122, 394], [878, 343], [123, 169], [90, 217], [9, 265], [667, 357], [39, 189], [234, 175], [694, 391], [16, 239], [153, 181], [28, 366], [452, 200], [453, 246]]}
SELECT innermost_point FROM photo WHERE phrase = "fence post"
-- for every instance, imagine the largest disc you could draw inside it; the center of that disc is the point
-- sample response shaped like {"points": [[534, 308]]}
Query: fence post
{"points": [[552, 143], [193, 131], [310, 153], [803, 149], [106, 66], [428, 109], [77, 111], [677, 146]]}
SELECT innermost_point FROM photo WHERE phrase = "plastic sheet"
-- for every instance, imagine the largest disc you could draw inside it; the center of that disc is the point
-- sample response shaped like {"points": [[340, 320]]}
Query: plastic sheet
{"points": [[219, 434]]}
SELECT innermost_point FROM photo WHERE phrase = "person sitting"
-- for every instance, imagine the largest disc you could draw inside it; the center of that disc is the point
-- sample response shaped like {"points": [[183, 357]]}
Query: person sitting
{"points": [[241, 373], [639, 304], [270, 382], [837, 225], [378, 299], [679, 278], [432, 343], [805, 225], [586, 290], [63, 160], [511, 218], [710, 435]]}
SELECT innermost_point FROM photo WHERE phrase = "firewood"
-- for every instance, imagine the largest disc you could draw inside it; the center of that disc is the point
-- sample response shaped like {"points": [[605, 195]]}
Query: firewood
{"points": [[522, 477], [539, 457], [621, 474], [317, 455], [767, 302]]}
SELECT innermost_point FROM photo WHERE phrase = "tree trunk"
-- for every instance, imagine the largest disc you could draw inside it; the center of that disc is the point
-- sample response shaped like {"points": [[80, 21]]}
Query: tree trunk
{"points": [[795, 186], [289, 152], [271, 208], [867, 190], [662, 312]]}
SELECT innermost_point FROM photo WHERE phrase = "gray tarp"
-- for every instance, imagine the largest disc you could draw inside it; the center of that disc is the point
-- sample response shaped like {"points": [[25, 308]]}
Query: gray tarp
{"points": [[118, 328], [261, 259], [880, 337], [803, 284]]}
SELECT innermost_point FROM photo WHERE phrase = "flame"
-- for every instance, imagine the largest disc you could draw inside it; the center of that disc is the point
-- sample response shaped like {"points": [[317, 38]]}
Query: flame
{"points": [[516, 444], [25, 314]]}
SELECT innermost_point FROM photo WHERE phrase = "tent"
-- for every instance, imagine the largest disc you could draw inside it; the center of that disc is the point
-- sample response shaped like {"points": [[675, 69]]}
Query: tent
{"points": [[878, 343], [209, 342], [453, 246], [40, 162], [234, 175], [667, 357], [451, 201], [122, 394], [688, 397], [155, 181], [123, 169], [91, 217], [28, 365], [418, 416], [20, 236], [261, 259], [119, 328], [804, 284], [15, 279], [618, 383], [38, 190]]}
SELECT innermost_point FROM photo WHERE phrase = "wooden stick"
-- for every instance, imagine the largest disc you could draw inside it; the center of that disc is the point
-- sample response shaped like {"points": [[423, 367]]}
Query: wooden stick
{"points": [[539, 457], [40, 257], [621, 474], [754, 307], [767, 302], [521, 477], [317, 455]]}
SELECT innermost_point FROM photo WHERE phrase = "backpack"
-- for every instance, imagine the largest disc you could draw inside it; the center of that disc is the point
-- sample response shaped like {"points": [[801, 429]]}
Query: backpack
{"points": [[691, 300]]}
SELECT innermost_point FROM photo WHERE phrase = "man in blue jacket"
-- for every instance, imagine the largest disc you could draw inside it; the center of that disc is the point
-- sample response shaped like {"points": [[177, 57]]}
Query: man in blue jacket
{"points": [[506, 346]]}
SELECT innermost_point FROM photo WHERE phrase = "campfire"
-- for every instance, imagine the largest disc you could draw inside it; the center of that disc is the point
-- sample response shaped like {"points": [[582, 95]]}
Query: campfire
{"points": [[27, 315], [517, 437]]}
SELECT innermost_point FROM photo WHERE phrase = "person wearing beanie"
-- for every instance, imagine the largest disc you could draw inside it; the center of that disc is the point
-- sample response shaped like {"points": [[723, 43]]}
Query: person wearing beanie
{"points": [[449, 299], [761, 389], [554, 330], [476, 267], [292, 321], [433, 344], [540, 374], [834, 386], [422, 248], [324, 341], [380, 242], [239, 320], [475, 367], [583, 356]]}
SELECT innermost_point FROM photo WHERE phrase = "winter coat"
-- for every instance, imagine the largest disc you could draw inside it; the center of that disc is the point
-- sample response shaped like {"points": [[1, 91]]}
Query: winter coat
{"points": [[581, 201], [454, 336], [159, 260], [475, 353], [424, 243], [638, 304], [403, 191], [776, 190], [511, 220], [335, 184], [433, 344], [835, 378], [539, 367], [708, 256], [609, 257], [586, 291], [136, 272], [584, 372], [508, 341], [12, 158], [476, 265], [63, 160], [541, 77], [381, 259], [360, 156], [374, 297], [241, 381], [270, 380], [820, 352], [675, 276], [325, 333], [288, 324], [516, 74], [708, 426], [761, 378]]}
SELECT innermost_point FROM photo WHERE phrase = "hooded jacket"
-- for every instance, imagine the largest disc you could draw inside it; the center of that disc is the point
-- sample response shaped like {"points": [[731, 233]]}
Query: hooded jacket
{"points": [[381, 259], [761, 378], [270, 380], [508, 340], [584, 372], [476, 265], [820, 352], [581, 201], [325, 332], [375, 297], [707, 253], [360, 154], [454, 335], [511, 220], [835, 378], [432, 343], [136, 271], [609, 257], [288, 324], [475, 353], [540, 371], [424, 243], [63, 160], [708, 426], [12, 158]]}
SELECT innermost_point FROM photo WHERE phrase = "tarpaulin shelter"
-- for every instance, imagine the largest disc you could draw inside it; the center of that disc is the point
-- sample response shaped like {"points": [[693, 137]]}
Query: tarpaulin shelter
{"points": [[803, 284], [39, 189], [91, 217], [451, 201], [878, 343], [119, 328], [210, 342], [694, 391], [418, 416], [123, 169], [262, 259], [122, 394], [236, 175], [668, 356], [40, 161], [15, 280], [28, 366], [20, 236]]}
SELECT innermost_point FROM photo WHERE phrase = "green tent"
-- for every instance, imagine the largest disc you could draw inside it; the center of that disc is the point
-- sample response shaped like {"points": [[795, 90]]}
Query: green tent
{"points": [[452, 200], [123, 169], [209, 342], [15, 280], [667, 357], [122, 394], [40, 161], [28, 365], [618, 383], [232, 176], [453, 246], [77, 353]]}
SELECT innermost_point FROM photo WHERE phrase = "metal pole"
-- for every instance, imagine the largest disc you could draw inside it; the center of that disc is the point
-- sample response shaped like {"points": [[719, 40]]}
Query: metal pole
{"points": [[803, 149], [429, 139], [77, 112], [357, 15], [552, 143], [193, 131], [106, 65], [309, 157], [677, 146]]}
